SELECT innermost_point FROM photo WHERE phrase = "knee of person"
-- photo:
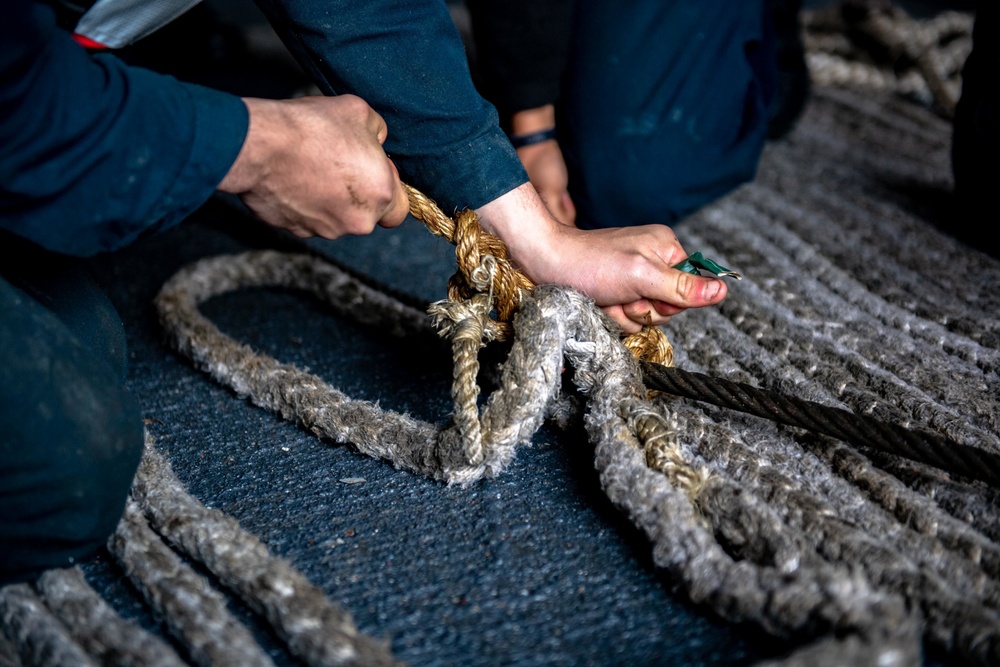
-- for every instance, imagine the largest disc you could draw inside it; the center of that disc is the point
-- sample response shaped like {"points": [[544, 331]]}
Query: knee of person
{"points": [[64, 288], [66, 466], [100, 442], [89, 314], [109, 336]]}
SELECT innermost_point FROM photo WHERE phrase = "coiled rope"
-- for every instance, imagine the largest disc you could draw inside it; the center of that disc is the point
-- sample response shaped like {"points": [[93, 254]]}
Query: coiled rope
{"points": [[877, 45]]}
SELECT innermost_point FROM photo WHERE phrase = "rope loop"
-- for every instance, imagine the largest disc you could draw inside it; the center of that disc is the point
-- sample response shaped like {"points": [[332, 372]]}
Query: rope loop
{"points": [[468, 325]]}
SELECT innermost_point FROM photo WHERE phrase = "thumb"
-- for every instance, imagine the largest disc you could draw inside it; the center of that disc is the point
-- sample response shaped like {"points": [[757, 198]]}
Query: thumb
{"points": [[399, 208], [697, 291]]}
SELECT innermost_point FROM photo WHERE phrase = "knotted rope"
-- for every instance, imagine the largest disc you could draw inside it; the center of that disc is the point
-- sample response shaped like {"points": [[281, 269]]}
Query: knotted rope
{"points": [[486, 281], [484, 267]]}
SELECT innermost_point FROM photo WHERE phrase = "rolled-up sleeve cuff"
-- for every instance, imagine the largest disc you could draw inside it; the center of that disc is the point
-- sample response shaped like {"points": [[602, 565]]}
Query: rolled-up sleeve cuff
{"points": [[469, 175], [221, 122]]}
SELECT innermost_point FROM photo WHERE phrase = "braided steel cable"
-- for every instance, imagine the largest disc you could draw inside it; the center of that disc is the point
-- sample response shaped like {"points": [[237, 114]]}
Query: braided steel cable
{"points": [[860, 430]]}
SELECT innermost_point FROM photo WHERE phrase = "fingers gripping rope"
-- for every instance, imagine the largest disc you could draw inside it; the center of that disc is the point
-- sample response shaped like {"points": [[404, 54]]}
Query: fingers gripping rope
{"points": [[473, 245]]}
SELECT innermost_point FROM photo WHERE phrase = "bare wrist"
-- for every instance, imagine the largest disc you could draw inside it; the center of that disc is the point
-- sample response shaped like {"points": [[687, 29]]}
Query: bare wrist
{"points": [[251, 163], [529, 121], [522, 221]]}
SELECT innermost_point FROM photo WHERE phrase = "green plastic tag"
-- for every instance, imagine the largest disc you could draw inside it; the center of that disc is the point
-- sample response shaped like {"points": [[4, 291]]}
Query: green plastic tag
{"points": [[699, 261]]}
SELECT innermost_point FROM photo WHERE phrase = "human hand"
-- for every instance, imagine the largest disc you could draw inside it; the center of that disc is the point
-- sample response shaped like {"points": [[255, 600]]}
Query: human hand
{"points": [[547, 171], [315, 167], [628, 271], [544, 162]]}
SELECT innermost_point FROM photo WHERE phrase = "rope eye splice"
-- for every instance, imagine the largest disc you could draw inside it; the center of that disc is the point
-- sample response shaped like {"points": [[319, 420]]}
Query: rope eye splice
{"points": [[487, 282]]}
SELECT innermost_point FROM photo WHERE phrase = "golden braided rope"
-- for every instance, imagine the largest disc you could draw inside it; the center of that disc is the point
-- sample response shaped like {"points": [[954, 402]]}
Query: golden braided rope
{"points": [[473, 244]]}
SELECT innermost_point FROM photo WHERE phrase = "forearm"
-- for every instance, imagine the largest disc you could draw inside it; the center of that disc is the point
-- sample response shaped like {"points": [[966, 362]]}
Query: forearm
{"points": [[93, 153], [406, 59]]}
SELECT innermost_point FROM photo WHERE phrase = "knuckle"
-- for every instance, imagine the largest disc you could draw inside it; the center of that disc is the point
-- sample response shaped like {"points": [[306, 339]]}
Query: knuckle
{"points": [[685, 285], [666, 234], [383, 192], [359, 225], [637, 310], [355, 106]]}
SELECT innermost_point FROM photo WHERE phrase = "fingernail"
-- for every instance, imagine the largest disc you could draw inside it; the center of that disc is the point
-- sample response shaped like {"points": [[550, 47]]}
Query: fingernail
{"points": [[712, 289]]}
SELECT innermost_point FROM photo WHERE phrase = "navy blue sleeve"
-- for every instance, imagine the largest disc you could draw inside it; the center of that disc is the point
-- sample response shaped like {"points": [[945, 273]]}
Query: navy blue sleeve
{"points": [[93, 153], [406, 59]]}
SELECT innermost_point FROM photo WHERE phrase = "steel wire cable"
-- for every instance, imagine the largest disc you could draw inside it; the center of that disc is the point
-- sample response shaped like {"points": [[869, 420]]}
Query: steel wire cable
{"points": [[859, 430]]}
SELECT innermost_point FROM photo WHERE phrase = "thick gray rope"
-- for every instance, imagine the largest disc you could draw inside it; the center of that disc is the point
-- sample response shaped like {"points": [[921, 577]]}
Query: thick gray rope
{"points": [[63, 621], [817, 599], [98, 628], [314, 629], [511, 416], [195, 613], [788, 591], [38, 636]]}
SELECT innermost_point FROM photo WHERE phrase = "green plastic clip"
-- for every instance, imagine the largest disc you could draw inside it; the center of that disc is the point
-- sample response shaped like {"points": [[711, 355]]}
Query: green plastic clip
{"points": [[699, 261]]}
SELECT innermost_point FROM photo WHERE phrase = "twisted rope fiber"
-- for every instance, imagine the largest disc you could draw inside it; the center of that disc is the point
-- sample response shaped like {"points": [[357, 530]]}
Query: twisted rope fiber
{"points": [[564, 323], [195, 613], [68, 623], [97, 627], [38, 636]]}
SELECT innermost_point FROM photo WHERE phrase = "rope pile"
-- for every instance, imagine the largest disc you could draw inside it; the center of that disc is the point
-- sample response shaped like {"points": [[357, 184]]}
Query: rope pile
{"points": [[801, 553], [62, 622], [874, 44]]}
